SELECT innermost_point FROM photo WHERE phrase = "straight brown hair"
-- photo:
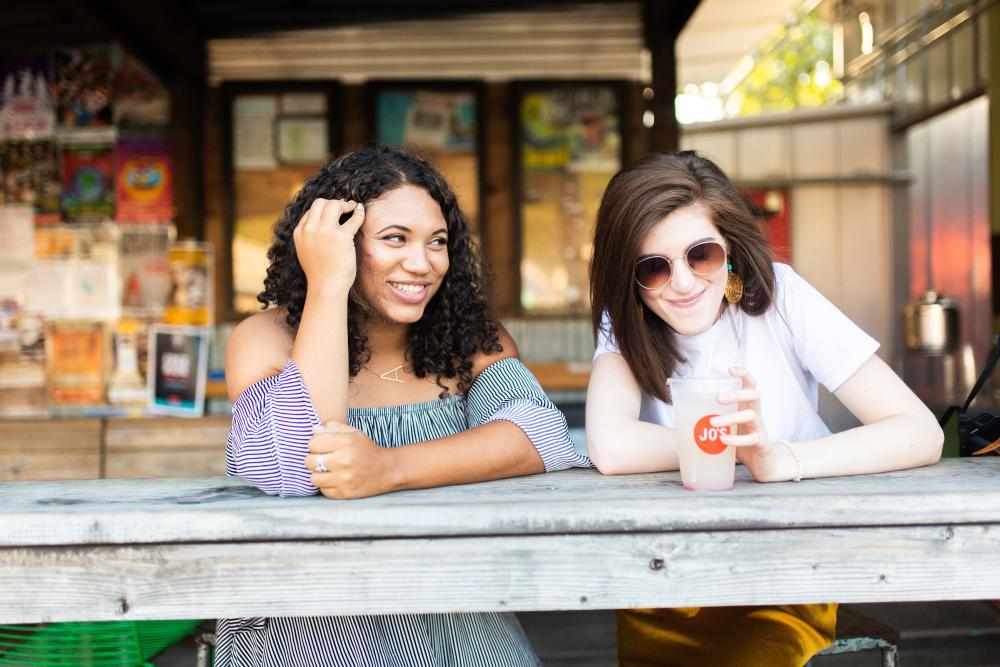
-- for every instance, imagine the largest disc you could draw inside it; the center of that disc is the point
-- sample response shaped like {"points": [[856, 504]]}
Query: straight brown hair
{"points": [[636, 199]]}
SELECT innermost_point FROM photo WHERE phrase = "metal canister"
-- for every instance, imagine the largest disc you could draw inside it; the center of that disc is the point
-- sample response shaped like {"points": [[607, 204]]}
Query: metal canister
{"points": [[930, 324]]}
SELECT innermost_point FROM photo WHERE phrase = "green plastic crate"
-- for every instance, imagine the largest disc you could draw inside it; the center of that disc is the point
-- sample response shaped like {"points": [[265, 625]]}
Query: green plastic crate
{"points": [[104, 644]]}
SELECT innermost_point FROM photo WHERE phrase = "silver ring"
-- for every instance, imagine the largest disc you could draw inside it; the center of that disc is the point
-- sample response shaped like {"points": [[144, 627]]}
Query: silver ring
{"points": [[320, 465]]}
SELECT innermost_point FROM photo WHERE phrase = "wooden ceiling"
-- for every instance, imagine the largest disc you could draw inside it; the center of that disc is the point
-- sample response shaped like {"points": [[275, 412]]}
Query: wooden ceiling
{"points": [[171, 37]]}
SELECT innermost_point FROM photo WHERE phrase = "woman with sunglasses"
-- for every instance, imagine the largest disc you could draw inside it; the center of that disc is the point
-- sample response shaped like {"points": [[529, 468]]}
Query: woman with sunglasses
{"points": [[682, 284]]}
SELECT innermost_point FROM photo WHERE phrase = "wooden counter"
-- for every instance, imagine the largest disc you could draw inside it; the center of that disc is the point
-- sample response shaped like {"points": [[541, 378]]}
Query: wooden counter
{"points": [[214, 547]]}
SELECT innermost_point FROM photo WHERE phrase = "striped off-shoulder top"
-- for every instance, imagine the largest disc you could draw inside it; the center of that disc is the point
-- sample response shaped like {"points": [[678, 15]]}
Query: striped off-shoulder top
{"points": [[272, 423]]}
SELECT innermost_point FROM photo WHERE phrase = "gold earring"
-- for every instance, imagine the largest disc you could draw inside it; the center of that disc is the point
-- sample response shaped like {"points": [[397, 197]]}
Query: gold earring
{"points": [[734, 287]]}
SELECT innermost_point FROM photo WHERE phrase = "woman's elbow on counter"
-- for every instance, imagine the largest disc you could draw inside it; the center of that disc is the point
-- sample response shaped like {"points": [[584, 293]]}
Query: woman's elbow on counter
{"points": [[927, 438], [936, 443], [602, 456]]}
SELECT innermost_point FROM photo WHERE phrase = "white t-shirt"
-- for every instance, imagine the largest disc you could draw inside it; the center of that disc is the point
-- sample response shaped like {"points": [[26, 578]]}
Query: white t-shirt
{"points": [[819, 344]]}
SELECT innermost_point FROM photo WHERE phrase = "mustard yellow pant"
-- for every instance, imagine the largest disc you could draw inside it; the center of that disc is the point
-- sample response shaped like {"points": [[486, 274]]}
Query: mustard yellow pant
{"points": [[779, 636]]}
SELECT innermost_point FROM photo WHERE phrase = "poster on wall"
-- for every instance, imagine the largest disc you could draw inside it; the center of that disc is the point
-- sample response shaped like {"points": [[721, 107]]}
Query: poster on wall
{"points": [[17, 234], [144, 268], [143, 181], [191, 297], [178, 369], [31, 176], [570, 146], [76, 358], [88, 183], [83, 86], [27, 110], [139, 98], [444, 121], [253, 132], [303, 140]]}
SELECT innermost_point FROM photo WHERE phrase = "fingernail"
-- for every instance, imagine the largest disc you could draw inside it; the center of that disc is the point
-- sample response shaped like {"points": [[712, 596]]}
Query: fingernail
{"points": [[714, 422]]}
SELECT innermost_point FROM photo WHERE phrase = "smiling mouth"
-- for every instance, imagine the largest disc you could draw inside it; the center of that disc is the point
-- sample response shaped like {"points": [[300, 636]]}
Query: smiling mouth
{"points": [[412, 289], [686, 303]]}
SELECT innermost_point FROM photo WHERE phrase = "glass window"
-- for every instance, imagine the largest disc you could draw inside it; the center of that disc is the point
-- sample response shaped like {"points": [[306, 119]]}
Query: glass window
{"points": [[279, 139], [442, 125], [963, 79], [938, 72], [569, 148], [913, 93]]}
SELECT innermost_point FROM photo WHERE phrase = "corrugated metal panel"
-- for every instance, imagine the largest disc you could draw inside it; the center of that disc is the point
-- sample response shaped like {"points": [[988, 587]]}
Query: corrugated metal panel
{"points": [[586, 41]]}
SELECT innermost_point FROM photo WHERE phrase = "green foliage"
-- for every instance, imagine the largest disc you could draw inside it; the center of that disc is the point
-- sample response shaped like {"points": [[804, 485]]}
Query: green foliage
{"points": [[793, 71]]}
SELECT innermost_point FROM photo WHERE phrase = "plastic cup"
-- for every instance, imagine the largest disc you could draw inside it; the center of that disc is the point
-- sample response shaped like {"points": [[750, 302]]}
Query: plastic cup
{"points": [[706, 463]]}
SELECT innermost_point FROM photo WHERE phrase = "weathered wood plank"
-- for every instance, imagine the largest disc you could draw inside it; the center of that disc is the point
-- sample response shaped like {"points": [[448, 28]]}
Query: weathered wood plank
{"points": [[62, 449], [165, 447], [499, 573], [218, 509]]}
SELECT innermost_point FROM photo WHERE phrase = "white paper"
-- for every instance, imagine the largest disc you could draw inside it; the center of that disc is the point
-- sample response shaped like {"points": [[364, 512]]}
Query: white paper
{"points": [[302, 140], [50, 289], [253, 132], [95, 291], [17, 233]]}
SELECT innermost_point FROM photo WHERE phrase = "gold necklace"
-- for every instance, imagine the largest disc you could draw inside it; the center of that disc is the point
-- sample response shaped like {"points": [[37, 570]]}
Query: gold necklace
{"points": [[392, 375]]}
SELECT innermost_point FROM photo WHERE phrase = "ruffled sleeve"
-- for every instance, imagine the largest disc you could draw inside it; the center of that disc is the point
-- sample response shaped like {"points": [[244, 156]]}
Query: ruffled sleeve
{"points": [[506, 390], [273, 421]]}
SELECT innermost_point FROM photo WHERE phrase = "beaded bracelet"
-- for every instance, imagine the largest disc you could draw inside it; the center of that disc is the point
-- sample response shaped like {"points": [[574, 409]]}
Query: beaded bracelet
{"points": [[798, 461]]}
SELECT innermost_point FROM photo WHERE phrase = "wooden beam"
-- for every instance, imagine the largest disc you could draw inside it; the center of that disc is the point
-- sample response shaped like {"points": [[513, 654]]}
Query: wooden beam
{"points": [[161, 35], [663, 23]]}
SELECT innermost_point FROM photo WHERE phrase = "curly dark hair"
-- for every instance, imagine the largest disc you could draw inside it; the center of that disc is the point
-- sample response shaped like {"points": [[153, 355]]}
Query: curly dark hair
{"points": [[457, 322]]}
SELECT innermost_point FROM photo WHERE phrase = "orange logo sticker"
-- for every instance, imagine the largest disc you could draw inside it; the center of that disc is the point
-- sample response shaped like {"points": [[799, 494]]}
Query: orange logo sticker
{"points": [[707, 436]]}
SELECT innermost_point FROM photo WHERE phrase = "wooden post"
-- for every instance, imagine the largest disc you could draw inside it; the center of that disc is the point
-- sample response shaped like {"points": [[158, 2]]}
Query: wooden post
{"points": [[663, 22]]}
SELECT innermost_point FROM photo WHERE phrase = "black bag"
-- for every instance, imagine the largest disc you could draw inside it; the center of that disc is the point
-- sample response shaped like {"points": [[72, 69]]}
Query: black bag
{"points": [[977, 434]]}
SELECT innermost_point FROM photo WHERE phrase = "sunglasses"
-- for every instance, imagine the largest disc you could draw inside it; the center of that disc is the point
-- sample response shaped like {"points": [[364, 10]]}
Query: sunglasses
{"points": [[703, 259]]}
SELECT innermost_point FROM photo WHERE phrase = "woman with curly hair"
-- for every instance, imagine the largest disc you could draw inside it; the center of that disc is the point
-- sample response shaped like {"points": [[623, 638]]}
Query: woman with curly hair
{"points": [[381, 368]]}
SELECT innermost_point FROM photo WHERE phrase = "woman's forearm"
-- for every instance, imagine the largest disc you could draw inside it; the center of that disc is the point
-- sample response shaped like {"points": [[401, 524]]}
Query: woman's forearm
{"points": [[492, 451], [631, 447], [896, 442], [320, 351]]}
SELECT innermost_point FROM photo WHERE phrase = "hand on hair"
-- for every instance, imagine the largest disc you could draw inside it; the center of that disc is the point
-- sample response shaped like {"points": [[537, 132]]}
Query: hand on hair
{"points": [[755, 449], [355, 466], [325, 248]]}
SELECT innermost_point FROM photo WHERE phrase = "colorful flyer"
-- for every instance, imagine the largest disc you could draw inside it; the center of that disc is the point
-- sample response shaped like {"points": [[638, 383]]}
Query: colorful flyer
{"points": [[139, 98], [83, 86], [144, 181], [56, 242], [27, 110], [191, 284], [76, 358], [31, 176], [427, 119], [178, 370], [144, 268], [88, 182]]}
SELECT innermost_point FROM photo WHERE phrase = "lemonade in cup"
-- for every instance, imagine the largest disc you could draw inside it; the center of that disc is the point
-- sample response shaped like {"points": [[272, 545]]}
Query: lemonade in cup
{"points": [[706, 463]]}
